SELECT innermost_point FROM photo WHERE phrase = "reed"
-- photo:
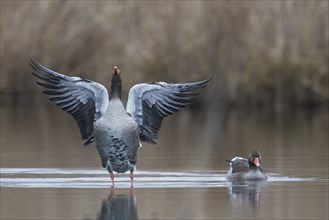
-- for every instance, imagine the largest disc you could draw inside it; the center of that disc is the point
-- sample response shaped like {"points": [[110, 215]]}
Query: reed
{"points": [[259, 53]]}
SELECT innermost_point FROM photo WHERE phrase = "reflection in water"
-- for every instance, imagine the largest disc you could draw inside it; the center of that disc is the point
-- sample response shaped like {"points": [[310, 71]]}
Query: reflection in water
{"points": [[119, 206], [246, 192], [89, 178], [42, 174]]}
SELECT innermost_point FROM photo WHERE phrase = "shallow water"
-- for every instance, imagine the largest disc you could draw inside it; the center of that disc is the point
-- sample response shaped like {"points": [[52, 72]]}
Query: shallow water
{"points": [[69, 178], [46, 173]]}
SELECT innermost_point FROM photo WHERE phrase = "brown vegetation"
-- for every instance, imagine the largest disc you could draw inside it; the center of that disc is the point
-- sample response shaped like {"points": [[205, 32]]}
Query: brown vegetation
{"points": [[258, 52]]}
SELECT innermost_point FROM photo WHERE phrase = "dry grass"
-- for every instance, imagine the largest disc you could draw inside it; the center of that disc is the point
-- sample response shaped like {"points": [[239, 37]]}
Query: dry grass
{"points": [[264, 53]]}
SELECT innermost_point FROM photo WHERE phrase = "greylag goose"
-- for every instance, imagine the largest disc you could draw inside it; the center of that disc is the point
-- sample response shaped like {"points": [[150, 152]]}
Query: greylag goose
{"points": [[116, 131], [246, 169]]}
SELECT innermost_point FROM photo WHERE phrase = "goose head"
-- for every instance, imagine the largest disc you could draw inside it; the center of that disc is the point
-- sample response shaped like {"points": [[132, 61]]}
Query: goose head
{"points": [[116, 83], [254, 159]]}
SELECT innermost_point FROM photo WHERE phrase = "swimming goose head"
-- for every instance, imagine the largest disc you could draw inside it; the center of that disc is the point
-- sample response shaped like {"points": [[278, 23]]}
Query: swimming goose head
{"points": [[116, 83], [254, 159]]}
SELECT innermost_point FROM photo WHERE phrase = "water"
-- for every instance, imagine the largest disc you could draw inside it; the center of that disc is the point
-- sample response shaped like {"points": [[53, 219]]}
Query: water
{"points": [[46, 173]]}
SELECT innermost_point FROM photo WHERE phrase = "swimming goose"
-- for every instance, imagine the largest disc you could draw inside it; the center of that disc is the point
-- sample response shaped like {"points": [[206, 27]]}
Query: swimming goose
{"points": [[116, 131], [246, 169]]}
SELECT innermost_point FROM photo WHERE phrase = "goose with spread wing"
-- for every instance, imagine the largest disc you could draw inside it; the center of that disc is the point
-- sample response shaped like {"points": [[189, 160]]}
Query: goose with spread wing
{"points": [[102, 118]]}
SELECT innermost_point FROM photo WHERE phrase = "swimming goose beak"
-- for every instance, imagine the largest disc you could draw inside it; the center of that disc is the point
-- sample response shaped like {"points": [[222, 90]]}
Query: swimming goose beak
{"points": [[257, 161]]}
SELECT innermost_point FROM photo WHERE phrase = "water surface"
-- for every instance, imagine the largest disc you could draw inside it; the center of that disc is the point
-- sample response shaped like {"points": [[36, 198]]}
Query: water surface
{"points": [[46, 173]]}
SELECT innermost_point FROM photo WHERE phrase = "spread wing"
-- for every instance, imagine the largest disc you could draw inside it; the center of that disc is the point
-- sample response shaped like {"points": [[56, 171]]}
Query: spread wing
{"points": [[150, 103], [85, 100]]}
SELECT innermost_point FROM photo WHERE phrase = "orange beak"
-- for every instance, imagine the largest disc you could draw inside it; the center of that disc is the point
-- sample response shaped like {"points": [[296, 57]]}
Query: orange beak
{"points": [[257, 161], [116, 70]]}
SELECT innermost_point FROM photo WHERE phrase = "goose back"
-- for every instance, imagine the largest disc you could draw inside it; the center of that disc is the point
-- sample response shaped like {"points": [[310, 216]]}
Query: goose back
{"points": [[117, 137]]}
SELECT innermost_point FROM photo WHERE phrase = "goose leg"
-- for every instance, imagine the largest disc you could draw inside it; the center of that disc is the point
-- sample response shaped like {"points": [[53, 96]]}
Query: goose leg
{"points": [[132, 178], [131, 168], [112, 179], [110, 169]]}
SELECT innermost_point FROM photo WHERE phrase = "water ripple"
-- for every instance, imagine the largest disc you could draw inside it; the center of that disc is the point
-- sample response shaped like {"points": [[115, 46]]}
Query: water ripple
{"points": [[90, 178]]}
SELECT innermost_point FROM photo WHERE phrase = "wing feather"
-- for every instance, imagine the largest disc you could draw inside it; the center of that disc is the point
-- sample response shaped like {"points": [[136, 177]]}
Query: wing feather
{"points": [[84, 99], [150, 103]]}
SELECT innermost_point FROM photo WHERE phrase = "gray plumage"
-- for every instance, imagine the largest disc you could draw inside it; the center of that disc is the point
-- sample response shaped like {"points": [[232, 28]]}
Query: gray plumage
{"points": [[246, 169], [85, 100], [149, 103], [117, 138], [103, 119], [239, 164]]}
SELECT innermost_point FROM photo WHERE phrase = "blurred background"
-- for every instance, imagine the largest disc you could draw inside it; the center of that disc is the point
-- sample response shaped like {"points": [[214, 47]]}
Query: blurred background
{"points": [[269, 54], [269, 90], [268, 61]]}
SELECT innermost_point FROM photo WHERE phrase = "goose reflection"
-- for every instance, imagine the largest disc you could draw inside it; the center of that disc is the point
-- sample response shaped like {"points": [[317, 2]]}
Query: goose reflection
{"points": [[246, 192], [119, 206]]}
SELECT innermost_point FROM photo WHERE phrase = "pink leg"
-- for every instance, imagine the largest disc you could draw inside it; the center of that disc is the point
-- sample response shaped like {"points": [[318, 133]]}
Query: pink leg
{"points": [[132, 179], [112, 178]]}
